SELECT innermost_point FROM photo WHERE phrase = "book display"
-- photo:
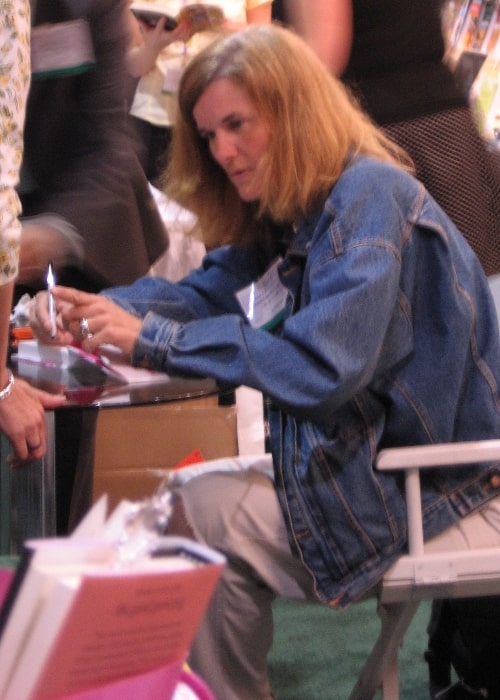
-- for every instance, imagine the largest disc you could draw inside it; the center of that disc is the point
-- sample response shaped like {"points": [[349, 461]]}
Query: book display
{"points": [[471, 25], [472, 31], [485, 97], [100, 607]]}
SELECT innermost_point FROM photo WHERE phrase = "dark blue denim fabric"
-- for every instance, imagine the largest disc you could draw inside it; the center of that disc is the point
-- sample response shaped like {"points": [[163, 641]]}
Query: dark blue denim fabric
{"points": [[390, 338]]}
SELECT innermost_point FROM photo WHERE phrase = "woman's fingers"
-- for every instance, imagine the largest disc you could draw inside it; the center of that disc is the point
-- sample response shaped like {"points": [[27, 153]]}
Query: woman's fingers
{"points": [[72, 296]]}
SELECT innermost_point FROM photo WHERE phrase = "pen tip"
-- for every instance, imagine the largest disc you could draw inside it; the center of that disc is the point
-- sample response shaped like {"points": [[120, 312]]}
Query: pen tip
{"points": [[50, 275]]}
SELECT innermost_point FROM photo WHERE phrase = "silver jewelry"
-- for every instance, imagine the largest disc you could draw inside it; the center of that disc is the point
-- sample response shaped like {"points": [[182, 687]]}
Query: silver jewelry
{"points": [[84, 327], [8, 387]]}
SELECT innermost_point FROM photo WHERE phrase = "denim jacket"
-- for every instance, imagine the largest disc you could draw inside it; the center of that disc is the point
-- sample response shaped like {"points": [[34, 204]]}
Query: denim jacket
{"points": [[389, 338]]}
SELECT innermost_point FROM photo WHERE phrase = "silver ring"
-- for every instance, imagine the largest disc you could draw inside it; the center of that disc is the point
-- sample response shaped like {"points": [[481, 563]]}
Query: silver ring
{"points": [[84, 327]]}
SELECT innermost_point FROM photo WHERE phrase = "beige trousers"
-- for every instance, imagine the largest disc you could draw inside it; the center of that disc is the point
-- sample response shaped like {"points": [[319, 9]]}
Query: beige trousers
{"points": [[238, 514]]}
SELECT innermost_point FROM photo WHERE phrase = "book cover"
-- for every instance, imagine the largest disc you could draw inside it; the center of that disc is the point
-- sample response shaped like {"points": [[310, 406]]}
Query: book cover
{"points": [[108, 364], [31, 587], [86, 622], [198, 16]]}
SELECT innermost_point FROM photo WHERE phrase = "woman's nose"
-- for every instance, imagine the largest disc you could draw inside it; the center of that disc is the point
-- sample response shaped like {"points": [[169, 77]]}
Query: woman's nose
{"points": [[223, 148]]}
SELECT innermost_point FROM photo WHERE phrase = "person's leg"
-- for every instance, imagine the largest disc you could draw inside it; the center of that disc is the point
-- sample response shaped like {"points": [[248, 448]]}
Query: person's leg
{"points": [[438, 652], [75, 447], [465, 632], [238, 514]]}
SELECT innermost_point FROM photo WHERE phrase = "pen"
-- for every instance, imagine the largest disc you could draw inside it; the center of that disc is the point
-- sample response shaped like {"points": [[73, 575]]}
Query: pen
{"points": [[52, 305]]}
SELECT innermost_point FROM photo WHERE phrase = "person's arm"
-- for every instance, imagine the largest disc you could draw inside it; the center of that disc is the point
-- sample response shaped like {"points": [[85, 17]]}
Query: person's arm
{"points": [[327, 26], [260, 14], [147, 42], [197, 327], [21, 407], [5, 308], [255, 14], [80, 147], [136, 35], [47, 237]]}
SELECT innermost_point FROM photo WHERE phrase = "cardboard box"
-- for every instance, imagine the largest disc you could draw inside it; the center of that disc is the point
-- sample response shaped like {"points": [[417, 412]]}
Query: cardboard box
{"points": [[137, 445]]}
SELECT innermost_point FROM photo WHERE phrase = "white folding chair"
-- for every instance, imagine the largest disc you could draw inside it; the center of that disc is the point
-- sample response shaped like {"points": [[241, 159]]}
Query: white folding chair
{"points": [[417, 575]]}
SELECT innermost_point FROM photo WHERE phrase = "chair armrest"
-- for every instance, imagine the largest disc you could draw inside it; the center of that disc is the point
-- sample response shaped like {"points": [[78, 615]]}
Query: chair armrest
{"points": [[412, 459], [442, 455]]}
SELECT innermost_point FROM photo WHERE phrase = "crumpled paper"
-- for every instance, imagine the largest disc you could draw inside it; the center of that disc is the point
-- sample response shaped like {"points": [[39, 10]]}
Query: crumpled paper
{"points": [[20, 315]]}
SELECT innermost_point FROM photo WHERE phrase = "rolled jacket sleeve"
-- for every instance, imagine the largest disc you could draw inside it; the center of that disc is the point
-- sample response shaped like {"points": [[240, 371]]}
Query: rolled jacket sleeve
{"points": [[309, 365]]}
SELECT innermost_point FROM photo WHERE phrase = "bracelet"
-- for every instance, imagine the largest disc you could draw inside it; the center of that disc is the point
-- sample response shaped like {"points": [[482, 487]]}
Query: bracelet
{"points": [[8, 387]]}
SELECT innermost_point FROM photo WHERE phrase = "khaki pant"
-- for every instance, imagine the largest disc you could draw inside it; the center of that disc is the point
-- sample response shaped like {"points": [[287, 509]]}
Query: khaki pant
{"points": [[238, 514]]}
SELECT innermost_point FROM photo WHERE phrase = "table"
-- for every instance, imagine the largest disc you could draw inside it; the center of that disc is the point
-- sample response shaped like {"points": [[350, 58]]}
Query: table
{"points": [[28, 493]]}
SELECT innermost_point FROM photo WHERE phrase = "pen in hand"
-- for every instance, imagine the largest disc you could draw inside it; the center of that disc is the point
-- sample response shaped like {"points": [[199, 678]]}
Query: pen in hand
{"points": [[52, 304]]}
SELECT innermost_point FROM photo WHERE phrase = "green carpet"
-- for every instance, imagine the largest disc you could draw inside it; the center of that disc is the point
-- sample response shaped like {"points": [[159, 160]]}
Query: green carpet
{"points": [[317, 653]]}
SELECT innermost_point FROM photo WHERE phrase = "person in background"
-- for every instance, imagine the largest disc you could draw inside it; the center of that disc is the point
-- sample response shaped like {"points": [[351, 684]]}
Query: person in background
{"points": [[147, 41], [391, 55], [21, 406], [157, 60], [330, 264], [86, 203]]}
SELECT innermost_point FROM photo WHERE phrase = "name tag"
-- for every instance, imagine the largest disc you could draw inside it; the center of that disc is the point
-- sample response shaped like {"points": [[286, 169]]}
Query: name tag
{"points": [[60, 49], [263, 301]]}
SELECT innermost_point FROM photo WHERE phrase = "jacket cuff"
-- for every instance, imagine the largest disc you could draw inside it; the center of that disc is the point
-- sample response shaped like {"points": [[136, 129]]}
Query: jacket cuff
{"points": [[152, 345]]}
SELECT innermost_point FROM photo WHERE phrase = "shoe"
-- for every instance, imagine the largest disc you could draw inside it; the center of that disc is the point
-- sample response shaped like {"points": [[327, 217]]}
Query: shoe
{"points": [[439, 672], [460, 691]]}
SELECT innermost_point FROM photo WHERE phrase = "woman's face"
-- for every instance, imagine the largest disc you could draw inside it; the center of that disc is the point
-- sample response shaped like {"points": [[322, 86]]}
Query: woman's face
{"points": [[237, 136]]}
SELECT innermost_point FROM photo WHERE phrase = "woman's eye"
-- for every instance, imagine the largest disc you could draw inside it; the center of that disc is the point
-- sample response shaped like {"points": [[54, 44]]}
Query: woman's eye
{"points": [[235, 124]]}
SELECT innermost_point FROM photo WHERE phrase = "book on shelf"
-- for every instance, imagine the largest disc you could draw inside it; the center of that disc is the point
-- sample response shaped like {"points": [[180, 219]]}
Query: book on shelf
{"points": [[472, 26], [79, 615], [198, 16], [484, 98]]}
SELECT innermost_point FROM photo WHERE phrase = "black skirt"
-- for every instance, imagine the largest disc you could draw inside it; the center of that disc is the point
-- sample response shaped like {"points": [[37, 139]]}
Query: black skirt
{"points": [[462, 173]]}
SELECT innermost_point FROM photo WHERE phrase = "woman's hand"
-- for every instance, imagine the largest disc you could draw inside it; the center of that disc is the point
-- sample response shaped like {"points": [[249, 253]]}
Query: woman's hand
{"points": [[93, 320], [148, 42], [158, 38], [23, 422], [41, 323]]}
